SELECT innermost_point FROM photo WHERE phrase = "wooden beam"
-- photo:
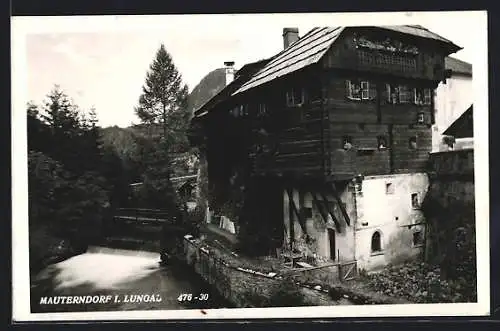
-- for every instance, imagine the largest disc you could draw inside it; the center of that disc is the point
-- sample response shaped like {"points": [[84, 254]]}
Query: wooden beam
{"points": [[290, 218], [341, 205], [322, 212], [320, 208], [296, 211], [337, 223]]}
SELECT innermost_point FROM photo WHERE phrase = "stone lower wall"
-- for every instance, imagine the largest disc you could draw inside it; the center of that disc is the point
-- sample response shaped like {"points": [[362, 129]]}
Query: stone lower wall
{"points": [[241, 288], [231, 284]]}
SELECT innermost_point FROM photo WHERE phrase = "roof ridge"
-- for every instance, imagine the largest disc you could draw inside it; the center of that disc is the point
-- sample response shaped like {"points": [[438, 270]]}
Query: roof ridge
{"points": [[281, 57], [304, 48], [455, 59]]}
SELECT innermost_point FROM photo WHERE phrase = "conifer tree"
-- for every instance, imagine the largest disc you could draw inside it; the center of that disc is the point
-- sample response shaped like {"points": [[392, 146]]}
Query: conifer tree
{"points": [[164, 100], [163, 103]]}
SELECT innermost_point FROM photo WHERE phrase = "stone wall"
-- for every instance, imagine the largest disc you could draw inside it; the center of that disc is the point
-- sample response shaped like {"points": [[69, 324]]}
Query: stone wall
{"points": [[450, 209], [243, 288]]}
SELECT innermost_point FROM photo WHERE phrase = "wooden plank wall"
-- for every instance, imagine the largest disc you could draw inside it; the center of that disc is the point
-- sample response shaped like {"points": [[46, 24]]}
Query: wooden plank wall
{"points": [[298, 147], [345, 55], [360, 120], [407, 160], [342, 109], [365, 157]]}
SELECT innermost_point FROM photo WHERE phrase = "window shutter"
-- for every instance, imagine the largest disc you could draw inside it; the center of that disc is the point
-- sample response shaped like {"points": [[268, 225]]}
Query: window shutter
{"points": [[373, 91], [348, 89], [388, 92]]}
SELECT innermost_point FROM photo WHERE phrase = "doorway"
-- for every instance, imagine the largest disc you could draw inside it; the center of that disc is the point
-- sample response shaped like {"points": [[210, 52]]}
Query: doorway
{"points": [[331, 239]]}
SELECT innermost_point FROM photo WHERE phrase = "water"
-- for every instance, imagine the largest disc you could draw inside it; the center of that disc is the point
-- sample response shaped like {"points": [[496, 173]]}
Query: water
{"points": [[117, 279]]}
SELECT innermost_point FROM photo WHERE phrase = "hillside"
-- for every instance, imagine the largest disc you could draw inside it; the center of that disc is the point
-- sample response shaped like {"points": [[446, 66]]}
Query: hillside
{"points": [[208, 87]]}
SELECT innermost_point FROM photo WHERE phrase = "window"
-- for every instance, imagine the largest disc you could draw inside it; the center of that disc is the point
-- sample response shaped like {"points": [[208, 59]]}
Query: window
{"points": [[418, 238], [365, 90], [381, 142], [262, 110], [405, 94], [234, 112], [243, 110], [295, 97], [412, 143], [389, 188], [427, 96], [358, 90], [376, 242], [347, 142], [422, 96], [399, 94], [239, 111], [415, 202], [420, 118], [392, 94]]}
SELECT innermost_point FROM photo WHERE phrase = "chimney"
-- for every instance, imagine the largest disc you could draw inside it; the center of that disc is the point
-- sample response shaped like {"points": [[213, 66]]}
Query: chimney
{"points": [[229, 71], [290, 35]]}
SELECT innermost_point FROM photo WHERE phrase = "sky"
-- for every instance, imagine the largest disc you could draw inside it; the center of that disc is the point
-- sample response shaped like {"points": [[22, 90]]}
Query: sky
{"points": [[102, 61]]}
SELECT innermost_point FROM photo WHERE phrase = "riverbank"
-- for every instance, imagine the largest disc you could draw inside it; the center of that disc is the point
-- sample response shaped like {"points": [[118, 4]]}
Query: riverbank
{"points": [[122, 274], [259, 282], [47, 249]]}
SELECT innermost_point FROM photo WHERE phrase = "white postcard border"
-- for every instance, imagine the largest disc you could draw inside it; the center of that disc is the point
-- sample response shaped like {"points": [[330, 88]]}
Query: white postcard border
{"points": [[22, 26]]}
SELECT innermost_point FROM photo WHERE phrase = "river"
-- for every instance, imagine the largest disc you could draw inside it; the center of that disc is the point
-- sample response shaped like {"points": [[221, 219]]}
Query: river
{"points": [[107, 279]]}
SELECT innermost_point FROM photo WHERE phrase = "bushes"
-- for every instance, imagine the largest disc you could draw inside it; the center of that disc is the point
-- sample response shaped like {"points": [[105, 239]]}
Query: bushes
{"points": [[62, 206], [422, 283]]}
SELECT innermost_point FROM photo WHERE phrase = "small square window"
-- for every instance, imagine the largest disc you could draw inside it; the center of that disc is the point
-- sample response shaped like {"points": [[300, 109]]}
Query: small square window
{"points": [[389, 188], [418, 238], [415, 202], [420, 118], [381, 142], [347, 142]]}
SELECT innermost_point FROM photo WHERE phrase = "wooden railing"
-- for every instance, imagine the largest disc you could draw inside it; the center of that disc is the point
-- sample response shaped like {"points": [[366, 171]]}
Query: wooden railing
{"points": [[144, 216]]}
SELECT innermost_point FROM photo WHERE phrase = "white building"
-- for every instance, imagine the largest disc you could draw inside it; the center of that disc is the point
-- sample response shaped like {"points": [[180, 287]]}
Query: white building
{"points": [[452, 99]]}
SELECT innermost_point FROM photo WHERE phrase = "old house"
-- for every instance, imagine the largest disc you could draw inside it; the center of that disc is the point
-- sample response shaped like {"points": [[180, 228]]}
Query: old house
{"points": [[452, 98], [323, 148]]}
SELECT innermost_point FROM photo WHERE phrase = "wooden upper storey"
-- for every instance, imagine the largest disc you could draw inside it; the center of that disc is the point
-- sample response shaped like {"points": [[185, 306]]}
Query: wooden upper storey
{"points": [[370, 88]]}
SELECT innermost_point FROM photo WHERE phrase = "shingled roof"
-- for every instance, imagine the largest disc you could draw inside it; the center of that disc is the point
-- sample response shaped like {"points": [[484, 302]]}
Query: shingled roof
{"points": [[457, 66], [312, 47], [241, 76]]}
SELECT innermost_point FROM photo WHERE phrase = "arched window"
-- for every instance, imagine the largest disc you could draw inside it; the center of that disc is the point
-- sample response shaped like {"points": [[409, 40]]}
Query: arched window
{"points": [[376, 242]]}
